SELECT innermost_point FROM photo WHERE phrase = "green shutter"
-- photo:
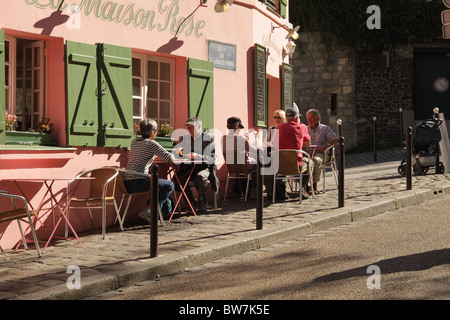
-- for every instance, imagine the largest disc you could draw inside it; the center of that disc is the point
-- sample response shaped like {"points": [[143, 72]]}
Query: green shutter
{"points": [[200, 88], [283, 8], [82, 105], [2, 88], [287, 86], [116, 102]]}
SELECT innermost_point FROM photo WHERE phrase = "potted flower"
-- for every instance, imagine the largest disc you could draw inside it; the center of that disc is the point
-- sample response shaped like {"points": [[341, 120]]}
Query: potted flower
{"points": [[45, 126], [164, 136], [10, 119]]}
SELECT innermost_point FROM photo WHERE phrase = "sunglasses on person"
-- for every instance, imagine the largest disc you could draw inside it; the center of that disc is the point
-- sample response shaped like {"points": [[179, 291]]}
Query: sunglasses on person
{"points": [[275, 117]]}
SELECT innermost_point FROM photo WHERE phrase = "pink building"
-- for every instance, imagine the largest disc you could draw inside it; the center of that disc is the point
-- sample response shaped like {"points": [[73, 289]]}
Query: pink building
{"points": [[96, 67]]}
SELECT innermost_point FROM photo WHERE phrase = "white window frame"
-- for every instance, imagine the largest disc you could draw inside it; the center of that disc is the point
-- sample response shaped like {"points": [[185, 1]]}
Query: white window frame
{"points": [[144, 88]]}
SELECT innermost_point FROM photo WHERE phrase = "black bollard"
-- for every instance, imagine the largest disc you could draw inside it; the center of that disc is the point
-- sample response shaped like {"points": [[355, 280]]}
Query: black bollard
{"points": [[401, 127], [341, 172], [259, 192], [375, 139], [408, 155], [154, 207]]}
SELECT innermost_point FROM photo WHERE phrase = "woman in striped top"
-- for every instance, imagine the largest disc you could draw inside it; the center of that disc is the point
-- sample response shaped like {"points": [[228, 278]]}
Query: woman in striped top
{"points": [[143, 152]]}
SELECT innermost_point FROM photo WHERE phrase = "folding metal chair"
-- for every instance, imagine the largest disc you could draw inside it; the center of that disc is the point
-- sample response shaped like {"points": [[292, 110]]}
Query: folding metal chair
{"points": [[288, 169], [329, 161], [19, 214], [101, 193], [237, 167]]}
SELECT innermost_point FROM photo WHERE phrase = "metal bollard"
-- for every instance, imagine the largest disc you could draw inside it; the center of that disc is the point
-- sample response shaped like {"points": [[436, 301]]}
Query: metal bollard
{"points": [[341, 171], [408, 155], [259, 192], [154, 207], [374, 138], [401, 127]]}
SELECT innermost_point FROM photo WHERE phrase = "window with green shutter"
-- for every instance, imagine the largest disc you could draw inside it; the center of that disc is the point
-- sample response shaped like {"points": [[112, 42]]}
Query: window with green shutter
{"points": [[279, 6], [99, 95], [200, 88]]}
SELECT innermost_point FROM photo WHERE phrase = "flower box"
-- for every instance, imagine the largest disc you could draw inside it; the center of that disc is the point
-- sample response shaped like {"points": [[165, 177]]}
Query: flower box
{"points": [[165, 142], [29, 138]]}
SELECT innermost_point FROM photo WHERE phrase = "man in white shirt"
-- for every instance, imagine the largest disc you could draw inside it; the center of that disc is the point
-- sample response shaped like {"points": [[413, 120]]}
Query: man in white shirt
{"points": [[322, 137]]}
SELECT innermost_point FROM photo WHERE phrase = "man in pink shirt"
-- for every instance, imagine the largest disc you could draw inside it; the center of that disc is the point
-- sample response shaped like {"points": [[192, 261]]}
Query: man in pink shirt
{"points": [[292, 135]]}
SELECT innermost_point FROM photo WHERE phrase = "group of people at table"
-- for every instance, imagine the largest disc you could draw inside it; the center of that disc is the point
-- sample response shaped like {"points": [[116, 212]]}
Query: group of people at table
{"points": [[195, 154]]}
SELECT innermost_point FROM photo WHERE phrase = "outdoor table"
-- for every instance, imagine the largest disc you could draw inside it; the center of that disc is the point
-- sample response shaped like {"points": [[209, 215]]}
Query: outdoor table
{"points": [[54, 203]]}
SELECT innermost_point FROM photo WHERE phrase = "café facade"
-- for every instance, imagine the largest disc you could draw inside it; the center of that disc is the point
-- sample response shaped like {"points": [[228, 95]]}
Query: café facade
{"points": [[76, 76]]}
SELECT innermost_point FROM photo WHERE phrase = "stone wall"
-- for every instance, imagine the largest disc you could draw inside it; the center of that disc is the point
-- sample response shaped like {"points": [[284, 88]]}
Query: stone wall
{"points": [[381, 89], [354, 86], [325, 80]]}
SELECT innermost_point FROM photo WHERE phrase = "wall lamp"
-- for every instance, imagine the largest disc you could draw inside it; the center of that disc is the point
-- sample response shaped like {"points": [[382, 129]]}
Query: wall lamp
{"points": [[290, 48], [223, 5], [292, 33]]}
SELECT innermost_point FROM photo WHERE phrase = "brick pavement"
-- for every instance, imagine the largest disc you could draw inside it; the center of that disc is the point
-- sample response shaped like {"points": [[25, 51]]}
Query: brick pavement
{"points": [[123, 258]]}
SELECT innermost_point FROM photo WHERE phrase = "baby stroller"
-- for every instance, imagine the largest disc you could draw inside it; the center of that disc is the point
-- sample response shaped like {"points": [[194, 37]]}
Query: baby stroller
{"points": [[425, 148]]}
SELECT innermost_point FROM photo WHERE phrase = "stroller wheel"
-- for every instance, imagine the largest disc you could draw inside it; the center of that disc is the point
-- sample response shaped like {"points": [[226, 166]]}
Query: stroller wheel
{"points": [[440, 168], [402, 169]]}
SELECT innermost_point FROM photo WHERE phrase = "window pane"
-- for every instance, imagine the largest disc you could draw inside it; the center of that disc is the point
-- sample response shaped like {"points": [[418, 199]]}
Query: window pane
{"points": [[7, 44], [164, 110], [6, 75], [28, 80], [137, 107], [35, 101], [153, 89], [37, 57], [28, 56], [165, 71], [136, 67], [164, 90], [36, 79], [137, 87], [152, 111], [28, 102], [152, 70]]}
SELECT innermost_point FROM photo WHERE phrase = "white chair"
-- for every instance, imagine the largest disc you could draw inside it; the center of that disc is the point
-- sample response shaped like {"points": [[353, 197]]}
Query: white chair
{"points": [[101, 193], [329, 161], [288, 168], [18, 214], [239, 169]]}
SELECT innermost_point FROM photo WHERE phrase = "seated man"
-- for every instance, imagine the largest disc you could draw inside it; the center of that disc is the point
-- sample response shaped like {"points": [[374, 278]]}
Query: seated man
{"points": [[322, 137], [293, 135], [234, 141], [143, 152], [199, 147]]}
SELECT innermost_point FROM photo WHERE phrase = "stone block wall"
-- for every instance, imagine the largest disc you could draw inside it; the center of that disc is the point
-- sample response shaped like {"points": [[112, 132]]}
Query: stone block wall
{"points": [[325, 80], [354, 86]]}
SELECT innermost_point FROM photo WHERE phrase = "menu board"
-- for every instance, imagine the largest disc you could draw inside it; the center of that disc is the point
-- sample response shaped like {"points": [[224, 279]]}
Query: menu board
{"points": [[260, 104], [287, 86]]}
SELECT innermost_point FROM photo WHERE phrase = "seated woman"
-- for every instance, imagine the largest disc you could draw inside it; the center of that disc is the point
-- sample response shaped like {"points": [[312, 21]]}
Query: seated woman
{"points": [[143, 152]]}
